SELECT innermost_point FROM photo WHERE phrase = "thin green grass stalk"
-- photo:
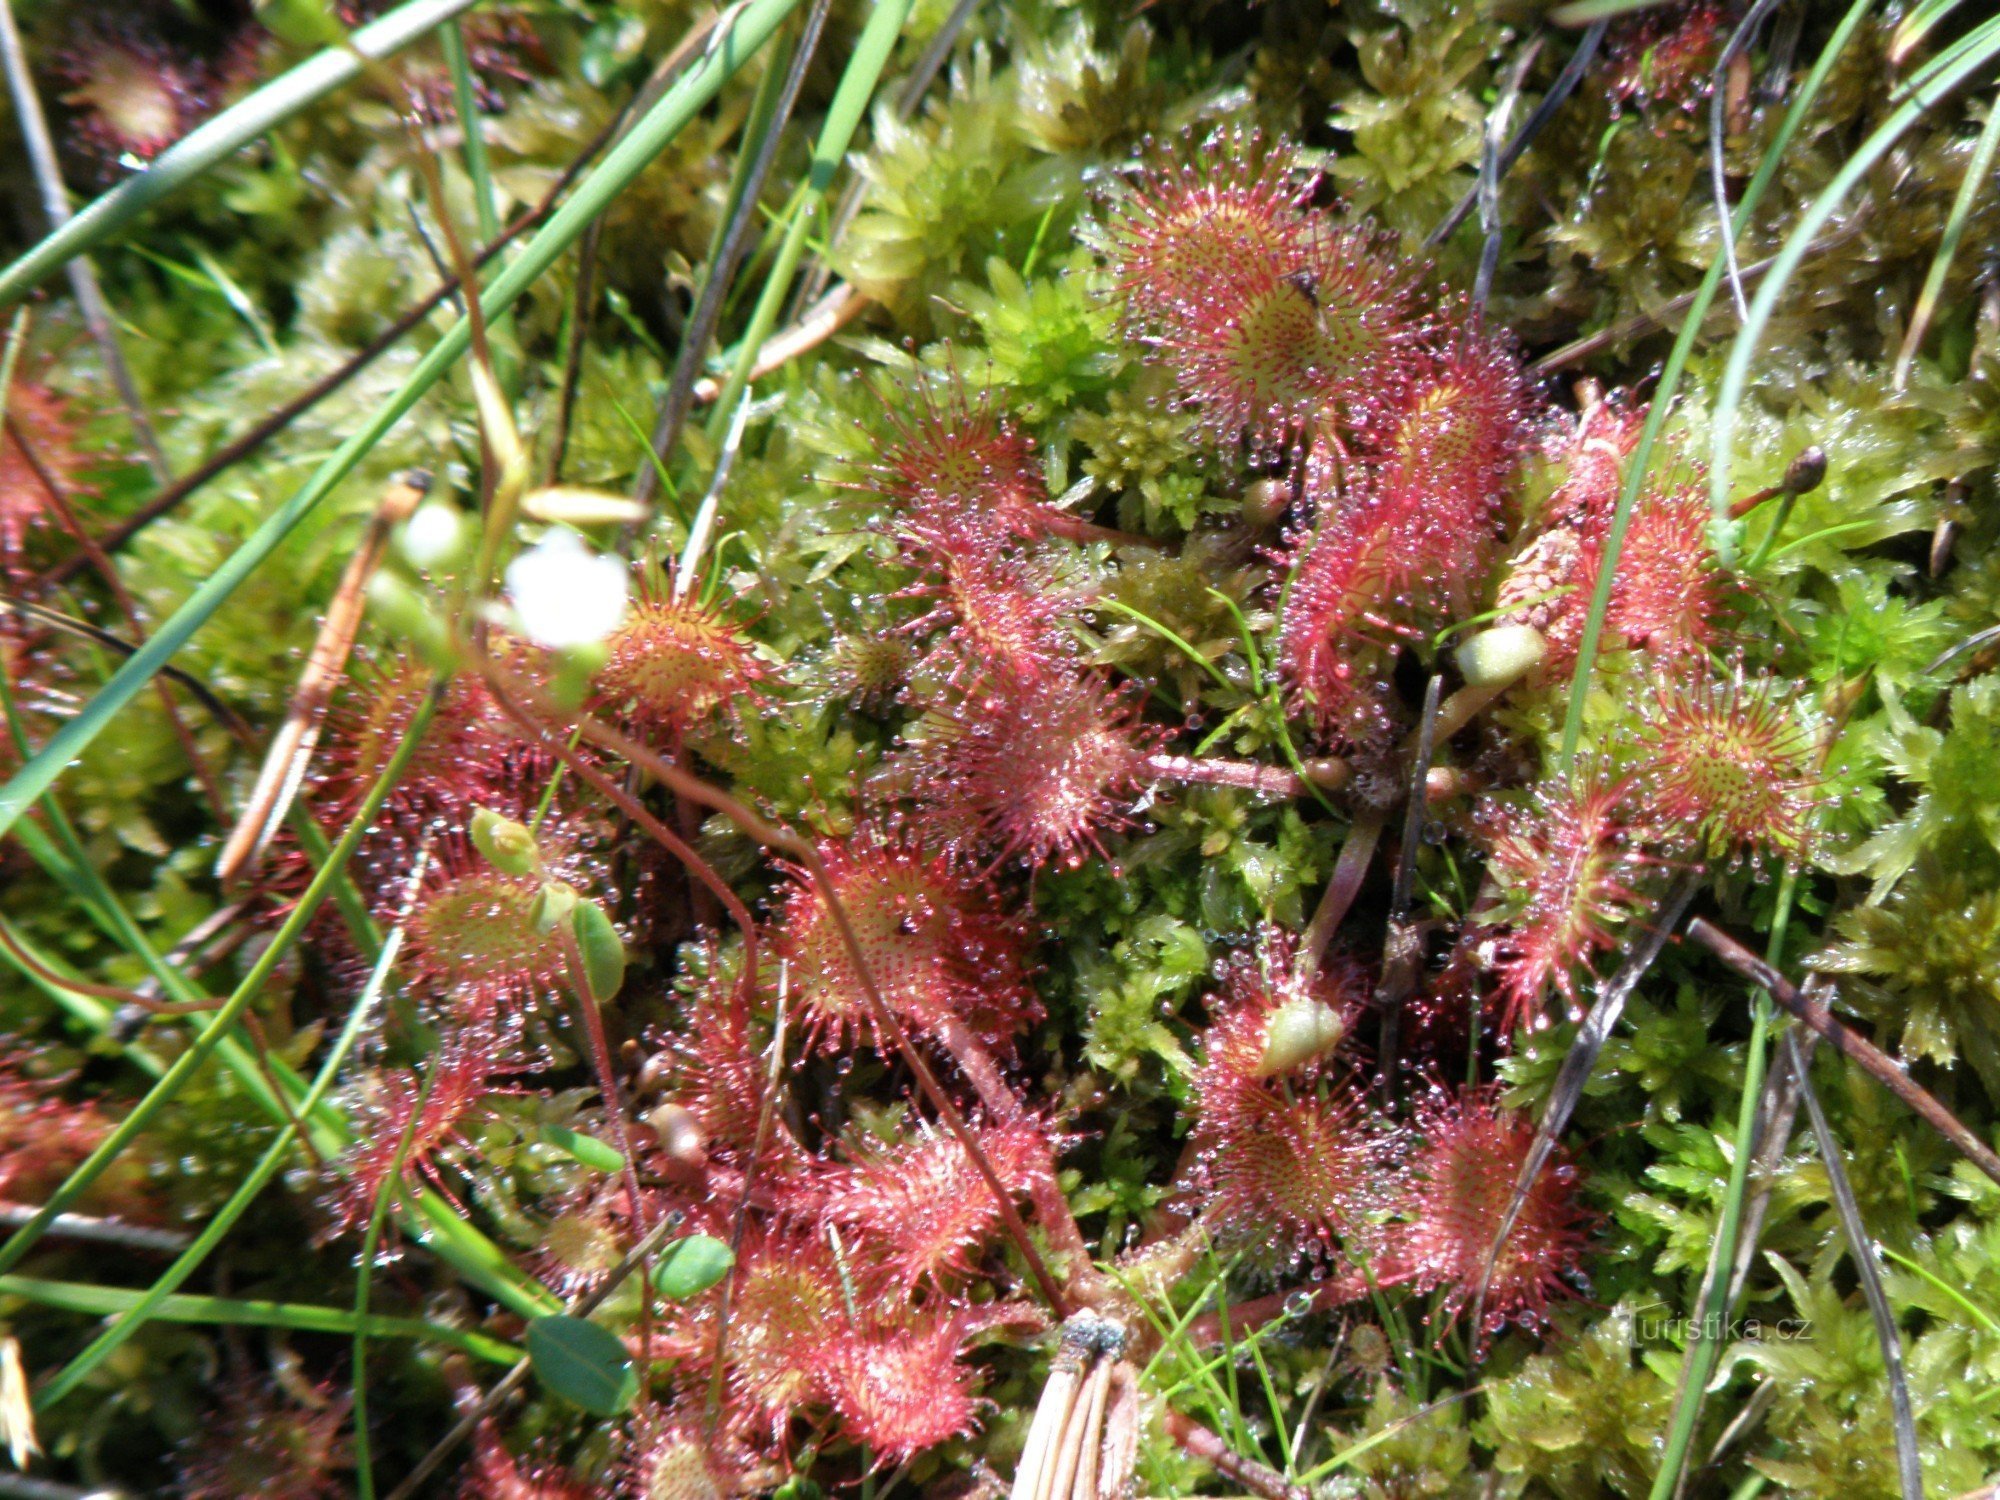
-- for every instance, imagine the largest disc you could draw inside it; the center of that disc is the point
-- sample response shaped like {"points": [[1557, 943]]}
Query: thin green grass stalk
{"points": [[1196, 1373], [1233, 1409], [1670, 377], [346, 894], [465, 94], [119, 926], [80, 878], [217, 139], [435, 1221], [224, 1219], [238, 300], [1287, 1458], [857, 86], [10, 358], [485, 202], [1917, 25], [727, 51], [1972, 1309], [304, 1317], [1375, 1440], [1583, 12], [1170, 1335], [1970, 56], [1978, 175], [70, 866], [364, 1277], [223, 1020], [1119, 607], [1699, 1357]]}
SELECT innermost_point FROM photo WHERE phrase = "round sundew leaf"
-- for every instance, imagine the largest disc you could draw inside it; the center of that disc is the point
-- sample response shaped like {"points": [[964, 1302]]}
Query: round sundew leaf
{"points": [[689, 1267], [583, 1363]]}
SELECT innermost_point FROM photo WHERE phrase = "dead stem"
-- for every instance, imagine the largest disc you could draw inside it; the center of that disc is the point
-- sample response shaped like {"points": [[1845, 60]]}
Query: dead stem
{"points": [[826, 317], [1253, 1476], [582, 310], [93, 1230], [284, 768], [198, 690], [1878, 1064]]}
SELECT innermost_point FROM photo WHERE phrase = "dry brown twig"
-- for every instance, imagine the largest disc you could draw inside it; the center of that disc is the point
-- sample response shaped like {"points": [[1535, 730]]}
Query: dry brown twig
{"points": [[291, 748], [1877, 1063]]}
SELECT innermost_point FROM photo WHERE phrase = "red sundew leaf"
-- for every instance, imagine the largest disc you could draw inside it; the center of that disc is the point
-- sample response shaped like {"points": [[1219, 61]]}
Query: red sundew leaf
{"points": [[1731, 763], [922, 1210], [1270, 315], [1453, 1197], [675, 662], [1287, 1162], [935, 940], [1569, 867]]}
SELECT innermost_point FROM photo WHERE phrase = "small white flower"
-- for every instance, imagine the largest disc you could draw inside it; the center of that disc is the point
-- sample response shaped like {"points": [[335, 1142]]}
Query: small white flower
{"points": [[565, 594]]}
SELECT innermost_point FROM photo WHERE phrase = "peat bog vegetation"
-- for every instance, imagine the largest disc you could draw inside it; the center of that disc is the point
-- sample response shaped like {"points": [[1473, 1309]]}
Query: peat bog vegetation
{"points": [[1000, 747]]}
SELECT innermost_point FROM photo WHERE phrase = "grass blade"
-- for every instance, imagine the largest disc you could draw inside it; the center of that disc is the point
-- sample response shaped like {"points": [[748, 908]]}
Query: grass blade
{"points": [[727, 52], [843, 115], [1978, 174], [1670, 376], [770, 116], [224, 1219], [217, 139], [109, 1301], [220, 1024], [1967, 58]]}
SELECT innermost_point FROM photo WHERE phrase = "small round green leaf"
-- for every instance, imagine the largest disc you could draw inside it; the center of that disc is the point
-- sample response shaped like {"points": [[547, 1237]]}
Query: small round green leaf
{"points": [[602, 949], [689, 1267], [587, 1149], [584, 1364]]}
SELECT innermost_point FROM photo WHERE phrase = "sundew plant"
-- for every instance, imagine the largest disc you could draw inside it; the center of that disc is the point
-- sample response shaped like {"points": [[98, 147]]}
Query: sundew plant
{"points": [[1035, 748]]}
